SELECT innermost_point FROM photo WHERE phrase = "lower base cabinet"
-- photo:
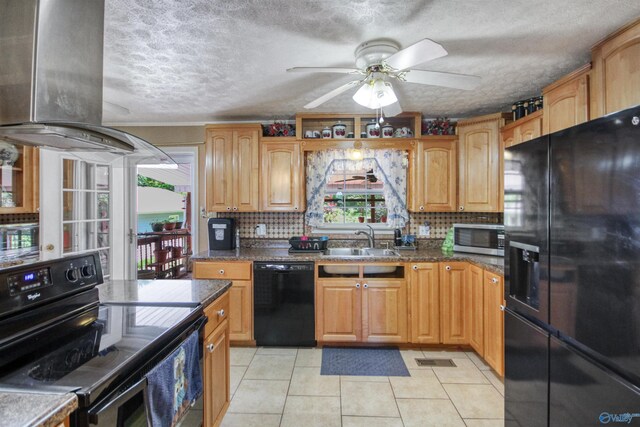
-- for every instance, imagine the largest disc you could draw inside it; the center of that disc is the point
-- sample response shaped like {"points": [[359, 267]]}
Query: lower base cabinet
{"points": [[216, 363], [476, 309], [494, 321]]}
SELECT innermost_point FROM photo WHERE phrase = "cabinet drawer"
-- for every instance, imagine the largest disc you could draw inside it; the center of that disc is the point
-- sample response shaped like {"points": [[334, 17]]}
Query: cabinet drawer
{"points": [[222, 270], [216, 313]]}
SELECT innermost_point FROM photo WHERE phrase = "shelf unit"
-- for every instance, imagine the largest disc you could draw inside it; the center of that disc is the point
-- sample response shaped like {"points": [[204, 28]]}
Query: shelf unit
{"points": [[355, 123]]}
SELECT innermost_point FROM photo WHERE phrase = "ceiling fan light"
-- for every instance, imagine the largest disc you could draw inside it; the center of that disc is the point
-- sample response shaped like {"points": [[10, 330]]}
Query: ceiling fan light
{"points": [[363, 95], [384, 94]]}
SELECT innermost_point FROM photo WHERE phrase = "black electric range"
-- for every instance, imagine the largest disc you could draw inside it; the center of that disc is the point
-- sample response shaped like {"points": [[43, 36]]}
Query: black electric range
{"points": [[56, 336]]}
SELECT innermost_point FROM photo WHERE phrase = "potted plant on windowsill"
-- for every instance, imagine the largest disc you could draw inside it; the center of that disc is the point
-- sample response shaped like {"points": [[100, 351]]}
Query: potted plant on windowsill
{"points": [[157, 226], [170, 223]]}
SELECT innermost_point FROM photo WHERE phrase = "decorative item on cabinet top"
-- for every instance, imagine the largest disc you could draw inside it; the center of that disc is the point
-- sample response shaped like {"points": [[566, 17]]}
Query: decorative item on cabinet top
{"points": [[438, 126], [525, 107], [279, 129]]}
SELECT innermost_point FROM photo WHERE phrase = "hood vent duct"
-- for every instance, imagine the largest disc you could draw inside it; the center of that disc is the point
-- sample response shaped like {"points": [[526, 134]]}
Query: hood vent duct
{"points": [[51, 79]]}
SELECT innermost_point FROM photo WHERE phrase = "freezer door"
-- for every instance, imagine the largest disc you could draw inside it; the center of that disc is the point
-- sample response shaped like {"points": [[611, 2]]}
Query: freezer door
{"points": [[595, 238], [582, 394], [526, 373], [526, 219]]}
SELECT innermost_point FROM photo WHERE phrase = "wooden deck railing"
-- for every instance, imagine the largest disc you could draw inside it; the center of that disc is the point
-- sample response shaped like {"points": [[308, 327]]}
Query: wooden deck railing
{"points": [[164, 254]]}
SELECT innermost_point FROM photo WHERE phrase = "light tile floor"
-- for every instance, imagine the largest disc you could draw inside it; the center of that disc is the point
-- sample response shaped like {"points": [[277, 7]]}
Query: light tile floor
{"points": [[283, 387]]}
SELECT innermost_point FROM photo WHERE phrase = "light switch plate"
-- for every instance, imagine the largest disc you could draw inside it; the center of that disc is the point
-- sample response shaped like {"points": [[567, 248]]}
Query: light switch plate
{"points": [[424, 231], [261, 230]]}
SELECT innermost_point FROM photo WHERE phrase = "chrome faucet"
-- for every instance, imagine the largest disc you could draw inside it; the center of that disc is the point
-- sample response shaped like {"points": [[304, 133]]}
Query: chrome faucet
{"points": [[370, 236]]}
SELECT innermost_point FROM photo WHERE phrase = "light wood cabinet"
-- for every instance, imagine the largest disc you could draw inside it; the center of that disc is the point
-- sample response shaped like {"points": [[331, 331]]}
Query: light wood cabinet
{"points": [[476, 309], [362, 309], [232, 167], [566, 101], [20, 186], [434, 171], [525, 129], [454, 306], [615, 76], [384, 311], [282, 176], [216, 372], [493, 321], [480, 163], [339, 310], [240, 294], [424, 285]]}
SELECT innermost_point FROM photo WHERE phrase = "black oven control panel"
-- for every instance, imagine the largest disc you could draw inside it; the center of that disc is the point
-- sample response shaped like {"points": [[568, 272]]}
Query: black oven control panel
{"points": [[27, 285]]}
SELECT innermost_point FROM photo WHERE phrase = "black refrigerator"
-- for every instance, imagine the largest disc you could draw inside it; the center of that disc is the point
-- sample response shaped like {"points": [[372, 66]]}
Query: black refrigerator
{"points": [[572, 276]]}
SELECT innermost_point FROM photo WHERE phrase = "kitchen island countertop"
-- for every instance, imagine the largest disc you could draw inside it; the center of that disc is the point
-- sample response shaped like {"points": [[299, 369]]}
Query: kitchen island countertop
{"points": [[494, 264], [163, 291], [22, 408]]}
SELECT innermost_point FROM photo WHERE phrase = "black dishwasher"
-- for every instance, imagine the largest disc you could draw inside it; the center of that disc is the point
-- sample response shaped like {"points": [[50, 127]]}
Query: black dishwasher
{"points": [[283, 303]]}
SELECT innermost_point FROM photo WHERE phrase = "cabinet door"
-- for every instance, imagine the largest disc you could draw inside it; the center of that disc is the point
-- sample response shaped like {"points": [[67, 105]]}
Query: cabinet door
{"points": [[338, 310], [566, 102], [494, 321], [240, 311], [246, 170], [216, 375], [615, 82], [454, 315], [424, 284], [435, 176], [508, 137], [384, 311], [282, 187], [19, 182], [219, 170], [476, 309], [529, 130], [480, 166]]}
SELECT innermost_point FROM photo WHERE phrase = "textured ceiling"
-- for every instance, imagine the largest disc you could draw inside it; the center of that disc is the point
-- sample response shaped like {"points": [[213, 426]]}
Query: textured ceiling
{"points": [[197, 61]]}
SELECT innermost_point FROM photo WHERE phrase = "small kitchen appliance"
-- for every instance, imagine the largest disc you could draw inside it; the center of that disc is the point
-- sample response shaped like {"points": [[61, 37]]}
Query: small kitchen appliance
{"points": [[484, 239]]}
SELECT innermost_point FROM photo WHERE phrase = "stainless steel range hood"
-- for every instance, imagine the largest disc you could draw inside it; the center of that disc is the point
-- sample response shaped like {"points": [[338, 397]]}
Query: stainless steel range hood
{"points": [[51, 79]]}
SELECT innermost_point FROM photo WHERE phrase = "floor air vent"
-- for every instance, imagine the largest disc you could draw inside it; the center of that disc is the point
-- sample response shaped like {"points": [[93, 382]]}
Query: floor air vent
{"points": [[435, 362]]}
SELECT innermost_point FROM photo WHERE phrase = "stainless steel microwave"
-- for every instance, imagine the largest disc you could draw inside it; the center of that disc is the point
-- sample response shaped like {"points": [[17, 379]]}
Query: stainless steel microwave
{"points": [[484, 239]]}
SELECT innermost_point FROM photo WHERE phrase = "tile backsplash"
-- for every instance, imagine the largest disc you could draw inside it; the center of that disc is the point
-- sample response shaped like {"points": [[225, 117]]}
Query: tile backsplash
{"points": [[282, 225]]}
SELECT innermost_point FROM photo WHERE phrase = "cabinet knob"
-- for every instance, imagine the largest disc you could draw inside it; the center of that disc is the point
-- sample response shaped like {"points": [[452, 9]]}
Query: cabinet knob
{"points": [[221, 313], [502, 307], [494, 280], [235, 208], [228, 208], [295, 208], [357, 285], [421, 208], [447, 267], [461, 208], [210, 348], [366, 285], [221, 271], [415, 267]]}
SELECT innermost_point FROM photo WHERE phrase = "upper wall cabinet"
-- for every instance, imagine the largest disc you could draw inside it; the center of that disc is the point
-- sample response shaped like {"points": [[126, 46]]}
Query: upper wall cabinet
{"points": [[282, 183], [233, 167], [525, 129], [566, 101], [19, 180], [434, 174], [615, 77], [480, 163]]}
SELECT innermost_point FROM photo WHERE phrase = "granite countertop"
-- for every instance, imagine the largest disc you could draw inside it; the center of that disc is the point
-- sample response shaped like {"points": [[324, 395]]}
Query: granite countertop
{"points": [[494, 264], [163, 291], [19, 408]]}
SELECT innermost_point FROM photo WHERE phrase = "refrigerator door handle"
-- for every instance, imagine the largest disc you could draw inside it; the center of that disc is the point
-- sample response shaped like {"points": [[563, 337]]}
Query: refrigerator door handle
{"points": [[524, 246]]}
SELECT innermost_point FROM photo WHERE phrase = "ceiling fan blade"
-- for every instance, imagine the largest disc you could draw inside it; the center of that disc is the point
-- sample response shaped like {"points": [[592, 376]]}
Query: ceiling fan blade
{"points": [[436, 78], [416, 54], [323, 70], [392, 110], [327, 96]]}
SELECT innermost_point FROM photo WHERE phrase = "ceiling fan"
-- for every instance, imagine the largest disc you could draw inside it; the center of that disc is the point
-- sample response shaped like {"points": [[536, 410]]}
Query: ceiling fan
{"points": [[379, 61]]}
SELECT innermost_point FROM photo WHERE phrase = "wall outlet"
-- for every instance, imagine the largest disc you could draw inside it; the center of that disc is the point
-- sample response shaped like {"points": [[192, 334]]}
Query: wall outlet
{"points": [[261, 230], [425, 231]]}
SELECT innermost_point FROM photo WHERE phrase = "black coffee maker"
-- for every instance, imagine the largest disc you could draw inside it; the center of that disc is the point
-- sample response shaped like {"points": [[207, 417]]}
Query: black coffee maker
{"points": [[222, 232]]}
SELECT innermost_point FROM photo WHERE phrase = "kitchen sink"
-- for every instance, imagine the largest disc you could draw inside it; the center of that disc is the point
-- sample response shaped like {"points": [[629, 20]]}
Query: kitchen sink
{"points": [[382, 252], [347, 252]]}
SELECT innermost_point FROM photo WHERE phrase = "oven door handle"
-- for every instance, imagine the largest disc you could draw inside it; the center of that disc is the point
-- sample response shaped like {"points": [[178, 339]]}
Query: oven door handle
{"points": [[108, 412]]}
